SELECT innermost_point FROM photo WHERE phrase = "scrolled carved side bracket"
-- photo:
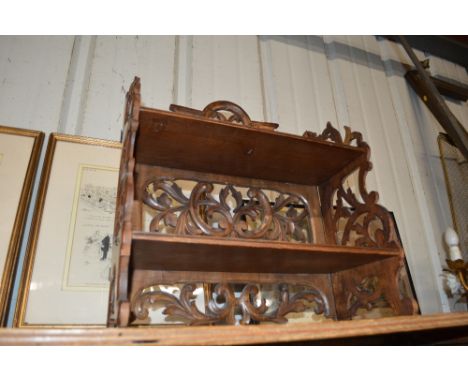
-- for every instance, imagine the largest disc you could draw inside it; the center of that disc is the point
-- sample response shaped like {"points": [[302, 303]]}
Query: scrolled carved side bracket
{"points": [[363, 293], [365, 219], [373, 285], [250, 305]]}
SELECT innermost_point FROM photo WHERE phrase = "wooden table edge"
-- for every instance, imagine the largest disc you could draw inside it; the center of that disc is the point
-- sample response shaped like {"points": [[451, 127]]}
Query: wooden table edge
{"points": [[231, 335]]}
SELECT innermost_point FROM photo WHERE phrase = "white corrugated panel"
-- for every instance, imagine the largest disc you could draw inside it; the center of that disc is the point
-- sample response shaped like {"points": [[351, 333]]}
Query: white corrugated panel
{"points": [[419, 131], [363, 87], [297, 83], [116, 61], [350, 76], [33, 72], [227, 68]]}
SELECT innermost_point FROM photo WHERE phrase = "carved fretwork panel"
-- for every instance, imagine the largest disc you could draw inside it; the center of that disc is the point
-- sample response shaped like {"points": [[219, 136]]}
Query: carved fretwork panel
{"points": [[355, 216], [366, 293], [227, 303], [184, 207], [372, 286]]}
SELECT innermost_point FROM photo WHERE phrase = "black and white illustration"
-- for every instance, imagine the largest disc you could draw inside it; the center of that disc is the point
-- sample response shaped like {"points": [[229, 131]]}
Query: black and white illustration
{"points": [[89, 246]]}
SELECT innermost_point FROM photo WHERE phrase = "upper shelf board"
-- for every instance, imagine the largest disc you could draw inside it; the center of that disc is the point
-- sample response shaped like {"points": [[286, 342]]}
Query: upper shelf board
{"points": [[185, 142]]}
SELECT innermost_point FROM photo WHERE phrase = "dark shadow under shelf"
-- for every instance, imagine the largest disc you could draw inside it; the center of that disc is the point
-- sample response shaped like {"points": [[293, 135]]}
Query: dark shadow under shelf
{"points": [[206, 254]]}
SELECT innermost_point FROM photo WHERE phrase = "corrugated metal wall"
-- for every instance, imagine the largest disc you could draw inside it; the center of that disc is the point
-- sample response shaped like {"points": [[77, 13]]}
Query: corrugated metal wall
{"points": [[77, 86]]}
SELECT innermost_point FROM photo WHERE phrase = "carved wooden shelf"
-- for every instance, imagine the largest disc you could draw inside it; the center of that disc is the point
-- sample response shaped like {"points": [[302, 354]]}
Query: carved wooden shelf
{"points": [[229, 149], [171, 253], [266, 222]]}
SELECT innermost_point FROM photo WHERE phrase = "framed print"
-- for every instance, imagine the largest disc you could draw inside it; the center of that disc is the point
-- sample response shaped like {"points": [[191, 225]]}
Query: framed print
{"points": [[19, 156], [66, 272]]}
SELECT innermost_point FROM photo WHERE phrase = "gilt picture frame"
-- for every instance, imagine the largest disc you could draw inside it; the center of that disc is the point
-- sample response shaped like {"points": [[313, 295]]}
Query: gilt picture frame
{"points": [[65, 277], [20, 150]]}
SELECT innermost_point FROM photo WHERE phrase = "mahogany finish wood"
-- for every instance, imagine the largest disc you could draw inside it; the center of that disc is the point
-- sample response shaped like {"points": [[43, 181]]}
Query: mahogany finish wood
{"points": [[236, 255], [224, 148], [405, 330], [363, 286], [210, 197]]}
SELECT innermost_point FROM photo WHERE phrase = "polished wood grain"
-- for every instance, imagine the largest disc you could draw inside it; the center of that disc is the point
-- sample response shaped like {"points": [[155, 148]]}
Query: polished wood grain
{"points": [[445, 328], [224, 148], [189, 253]]}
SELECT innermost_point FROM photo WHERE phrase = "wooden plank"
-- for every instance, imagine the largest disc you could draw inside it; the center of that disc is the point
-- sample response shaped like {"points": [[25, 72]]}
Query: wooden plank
{"points": [[192, 253], [239, 335], [427, 91], [450, 89], [222, 148]]}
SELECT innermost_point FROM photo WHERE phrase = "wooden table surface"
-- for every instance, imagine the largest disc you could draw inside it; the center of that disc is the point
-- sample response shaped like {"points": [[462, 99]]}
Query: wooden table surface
{"points": [[429, 329]]}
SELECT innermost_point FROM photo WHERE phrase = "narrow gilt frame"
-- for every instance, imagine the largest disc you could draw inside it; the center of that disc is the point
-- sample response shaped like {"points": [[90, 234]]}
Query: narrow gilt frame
{"points": [[23, 293], [11, 260]]}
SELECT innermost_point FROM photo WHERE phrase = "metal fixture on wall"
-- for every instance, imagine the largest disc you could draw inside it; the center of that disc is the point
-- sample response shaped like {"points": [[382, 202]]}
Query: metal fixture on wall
{"points": [[456, 263]]}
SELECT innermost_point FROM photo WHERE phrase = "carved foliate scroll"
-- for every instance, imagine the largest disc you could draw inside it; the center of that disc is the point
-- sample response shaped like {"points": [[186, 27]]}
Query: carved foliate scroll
{"points": [[225, 111], [224, 307], [380, 284], [357, 220], [225, 210], [364, 293]]}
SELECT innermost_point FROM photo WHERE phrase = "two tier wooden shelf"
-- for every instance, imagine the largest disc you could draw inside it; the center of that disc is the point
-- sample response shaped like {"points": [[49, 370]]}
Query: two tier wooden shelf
{"points": [[213, 198]]}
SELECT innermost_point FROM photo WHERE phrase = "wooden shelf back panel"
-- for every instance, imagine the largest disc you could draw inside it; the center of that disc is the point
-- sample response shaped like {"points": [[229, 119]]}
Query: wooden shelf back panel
{"points": [[177, 141], [179, 253]]}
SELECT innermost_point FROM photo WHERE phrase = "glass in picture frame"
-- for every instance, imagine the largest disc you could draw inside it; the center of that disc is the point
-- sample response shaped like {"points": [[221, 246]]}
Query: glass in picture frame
{"points": [[66, 269]]}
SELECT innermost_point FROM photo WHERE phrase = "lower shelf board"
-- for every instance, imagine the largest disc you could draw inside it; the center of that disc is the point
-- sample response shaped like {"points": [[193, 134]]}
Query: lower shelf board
{"points": [[449, 328], [192, 253]]}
